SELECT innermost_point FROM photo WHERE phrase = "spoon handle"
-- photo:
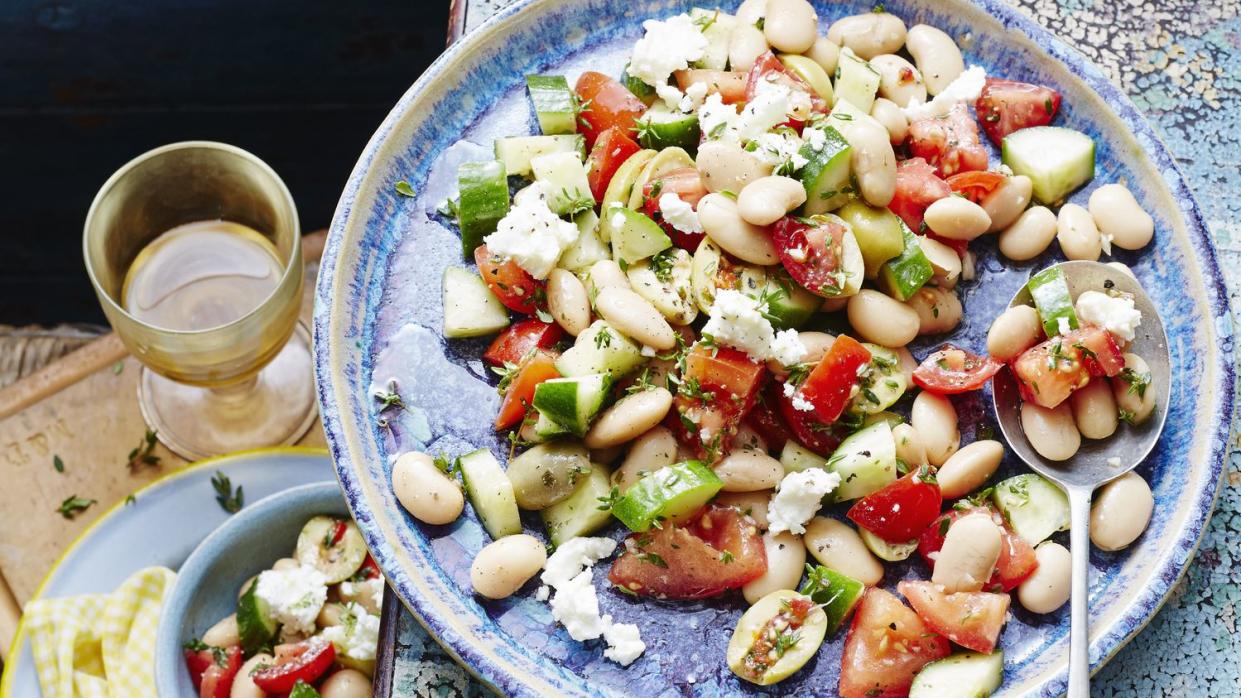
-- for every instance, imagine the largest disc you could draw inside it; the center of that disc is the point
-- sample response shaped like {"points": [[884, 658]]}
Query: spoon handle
{"points": [[1079, 629]]}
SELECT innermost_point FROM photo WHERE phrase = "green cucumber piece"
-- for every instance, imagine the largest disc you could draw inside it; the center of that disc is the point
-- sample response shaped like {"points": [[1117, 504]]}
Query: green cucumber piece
{"points": [[965, 675], [1057, 160], [671, 493], [836, 593], [517, 151], [665, 160], [1050, 291], [553, 102], [564, 177], [664, 280], [856, 81], [255, 624], [661, 127], [483, 188], [588, 248], [490, 493], [826, 173], [866, 461], [902, 276], [600, 348], [811, 72], [717, 28], [470, 308], [545, 429], [621, 188], [640, 89], [579, 514], [301, 689], [788, 304], [796, 458], [323, 545], [634, 236], [883, 383], [572, 402], [879, 233], [891, 552], [1033, 507]]}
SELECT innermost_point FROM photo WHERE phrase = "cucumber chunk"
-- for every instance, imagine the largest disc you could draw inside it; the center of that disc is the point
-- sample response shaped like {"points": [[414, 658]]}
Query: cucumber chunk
{"points": [[788, 304], [470, 308], [796, 458], [717, 28], [588, 248], [882, 384], [545, 429], [572, 402], [483, 188], [255, 624], [811, 72], [826, 173], [579, 514], [866, 461], [1057, 160], [661, 127], [891, 552], [490, 493], [1054, 301], [837, 593], [879, 233], [516, 152], [671, 493], [621, 188], [640, 89], [634, 236], [332, 546], [553, 103], [564, 178], [1033, 507], [600, 348], [902, 276], [856, 81], [965, 675]]}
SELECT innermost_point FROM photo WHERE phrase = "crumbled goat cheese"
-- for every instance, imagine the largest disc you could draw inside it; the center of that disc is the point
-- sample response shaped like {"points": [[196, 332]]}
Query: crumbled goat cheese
{"points": [[816, 137], [800, 403], [781, 150], [787, 348], [798, 499], [1114, 462], [965, 88], [573, 556], [575, 604], [737, 321], [648, 351], [533, 236], [370, 589], [678, 213], [357, 635], [1114, 314], [717, 120], [1062, 325], [543, 592], [696, 92], [294, 597], [768, 109], [667, 46], [624, 642]]}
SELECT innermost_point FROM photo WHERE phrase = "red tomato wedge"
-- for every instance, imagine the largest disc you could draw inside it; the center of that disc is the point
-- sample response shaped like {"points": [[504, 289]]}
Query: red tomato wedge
{"points": [[303, 661], [951, 370], [519, 394], [690, 562], [515, 288], [1005, 106], [1049, 372], [730, 85], [975, 185], [213, 670], [765, 419], [611, 149], [812, 254], [830, 384], [606, 104], [808, 430], [369, 569], [520, 339], [887, 645], [972, 619], [718, 388], [769, 68], [1016, 561], [687, 184], [917, 187], [949, 143], [900, 511]]}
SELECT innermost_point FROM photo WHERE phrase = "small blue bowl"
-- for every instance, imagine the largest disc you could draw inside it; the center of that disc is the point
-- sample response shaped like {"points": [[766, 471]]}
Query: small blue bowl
{"points": [[206, 587]]}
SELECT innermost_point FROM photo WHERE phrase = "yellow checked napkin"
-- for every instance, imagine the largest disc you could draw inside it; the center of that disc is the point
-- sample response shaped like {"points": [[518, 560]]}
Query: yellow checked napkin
{"points": [[99, 645]]}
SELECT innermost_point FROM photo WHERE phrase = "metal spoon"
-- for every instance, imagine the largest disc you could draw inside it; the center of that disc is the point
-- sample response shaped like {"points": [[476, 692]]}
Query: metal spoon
{"points": [[1089, 468]]}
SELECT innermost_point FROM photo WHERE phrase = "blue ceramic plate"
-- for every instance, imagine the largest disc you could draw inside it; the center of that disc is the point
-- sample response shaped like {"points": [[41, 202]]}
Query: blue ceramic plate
{"points": [[169, 518], [378, 316]]}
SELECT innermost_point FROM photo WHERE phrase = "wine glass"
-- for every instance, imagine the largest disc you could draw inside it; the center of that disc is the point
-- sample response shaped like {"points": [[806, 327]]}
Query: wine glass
{"points": [[194, 250]]}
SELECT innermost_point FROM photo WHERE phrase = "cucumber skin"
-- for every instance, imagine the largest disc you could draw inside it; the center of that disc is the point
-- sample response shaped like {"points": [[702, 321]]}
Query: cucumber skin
{"points": [[902, 276], [672, 492], [553, 103], [1033, 507], [945, 678], [641, 90], [826, 172], [1050, 292], [254, 624], [484, 480], [1049, 187], [840, 598], [788, 303], [878, 231], [553, 393], [671, 130], [484, 201], [579, 513]]}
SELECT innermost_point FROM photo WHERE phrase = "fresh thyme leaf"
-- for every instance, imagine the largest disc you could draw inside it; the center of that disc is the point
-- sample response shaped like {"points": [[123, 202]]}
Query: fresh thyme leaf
{"points": [[118, 367], [130, 499], [653, 559], [230, 500], [450, 208], [74, 505], [544, 316], [143, 454], [603, 339], [1138, 382], [662, 263], [449, 467], [726, 557], [58, 464], [606, 503], [404, 189]]}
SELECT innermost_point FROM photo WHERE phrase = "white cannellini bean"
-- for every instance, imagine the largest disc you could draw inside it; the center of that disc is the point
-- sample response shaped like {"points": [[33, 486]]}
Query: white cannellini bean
{"points": [[967, 469], [957, 218], [722, 222], [765, 200], [749, 471], [838, 547], [899, 80], [605, 273], [750, 11], [504, 565], [223, 633], [1007, 201], [631, 416], [727, 166], [243, 683], [834, 305], [1077, 233], [651, 451], [909, 446], [1094, 409], [635, 317], [791, 26], [1051, 432], [870, 34], [945, 261], [331, 614], [935, 420], [1138, 404], [936, 55], [939, 310], [1029, 235], [245, 586], [1048, 588], [968, 556], [825, 53], [1118, 214], [346, 683], [1014, 331], [882, 319], [893, 118], [753, 504], [745, 45], [424, 490], [1120, 512], [786, 558], [816, 344], [873, 161], [567, 301]]}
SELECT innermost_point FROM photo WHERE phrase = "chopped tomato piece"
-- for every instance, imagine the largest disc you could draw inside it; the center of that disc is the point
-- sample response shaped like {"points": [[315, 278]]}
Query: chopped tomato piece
{"points": [[1016, 561], [520, 339], [303, 661], [730, 85], [519, 394], [900, 511], [765, 419], [769, 68], [717, 390], [975, 185], [812, 254], [1049, 372], [610, 151], [887, 645], [514, 286], [917, 187], [972, 619], [1005, 106], [687, 184], [214, 669], [369, 569], [720, 549], [951, 370], [949, 143], [606, 104], [830, 385], [811, 432]]}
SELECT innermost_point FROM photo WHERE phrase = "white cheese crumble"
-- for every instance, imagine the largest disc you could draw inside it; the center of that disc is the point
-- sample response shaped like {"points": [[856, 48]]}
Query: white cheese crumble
{"points": [[357, 635], [648, 351], [816, 137], [532, 235], [1114, 314], [573, 556], [624, 643], [787, 348], [798, 499], [370, 589], [768, 109], [667, 46], [781, 150], [575, 604], [965, 88], [678, 213], [718, 120], [1114, 462], [737, 321], [294, 597], [801, 404], [1062, 325]]}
